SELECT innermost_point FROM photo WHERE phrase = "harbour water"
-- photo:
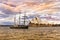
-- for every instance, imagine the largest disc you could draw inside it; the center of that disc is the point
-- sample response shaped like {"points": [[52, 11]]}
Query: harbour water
{"points": [[32, 33]]}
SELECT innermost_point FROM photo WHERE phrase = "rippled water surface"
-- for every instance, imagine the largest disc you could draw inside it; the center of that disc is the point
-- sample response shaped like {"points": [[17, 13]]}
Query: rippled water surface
{"points": [[32, 33]]}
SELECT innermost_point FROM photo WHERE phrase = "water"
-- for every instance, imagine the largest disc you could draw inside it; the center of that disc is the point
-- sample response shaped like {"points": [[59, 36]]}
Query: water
{"points": [[40, 33]]}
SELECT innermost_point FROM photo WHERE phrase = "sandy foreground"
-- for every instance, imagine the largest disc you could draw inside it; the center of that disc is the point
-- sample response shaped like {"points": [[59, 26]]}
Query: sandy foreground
{"points": [[33, 33]]}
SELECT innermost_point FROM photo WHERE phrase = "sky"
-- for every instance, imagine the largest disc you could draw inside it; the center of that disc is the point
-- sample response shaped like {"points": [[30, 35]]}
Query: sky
{"points": [[44, 9]]}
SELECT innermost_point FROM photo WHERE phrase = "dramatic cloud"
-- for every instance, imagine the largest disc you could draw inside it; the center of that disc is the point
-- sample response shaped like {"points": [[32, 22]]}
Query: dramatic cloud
{"points": [[47, 10]]}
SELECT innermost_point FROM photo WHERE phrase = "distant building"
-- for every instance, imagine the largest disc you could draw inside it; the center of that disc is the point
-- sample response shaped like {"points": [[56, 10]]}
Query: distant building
{"points": [[37, 22]]}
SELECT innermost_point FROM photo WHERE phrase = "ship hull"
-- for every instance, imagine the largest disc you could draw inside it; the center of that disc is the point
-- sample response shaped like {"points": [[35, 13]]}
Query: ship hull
{"points": [[19, 27]]}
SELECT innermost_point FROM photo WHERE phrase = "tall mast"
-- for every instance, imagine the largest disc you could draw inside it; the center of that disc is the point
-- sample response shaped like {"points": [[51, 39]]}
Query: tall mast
{"points": [[24, 18], [19, 18], [14, 21]]}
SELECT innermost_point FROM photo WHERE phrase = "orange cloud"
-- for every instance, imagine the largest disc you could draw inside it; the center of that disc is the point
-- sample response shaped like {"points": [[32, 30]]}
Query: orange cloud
{"points": [[31, 5], [7, 7], [43, 6]]}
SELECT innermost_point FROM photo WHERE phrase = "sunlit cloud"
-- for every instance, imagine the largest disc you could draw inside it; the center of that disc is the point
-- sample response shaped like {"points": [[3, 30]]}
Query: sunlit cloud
{"points": [[31, 8]]}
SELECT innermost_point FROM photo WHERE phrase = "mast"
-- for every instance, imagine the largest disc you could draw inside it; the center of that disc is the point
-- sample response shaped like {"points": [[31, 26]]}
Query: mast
{"points": [[24, 18], [14, 21], [19, 18], [17, 22]]}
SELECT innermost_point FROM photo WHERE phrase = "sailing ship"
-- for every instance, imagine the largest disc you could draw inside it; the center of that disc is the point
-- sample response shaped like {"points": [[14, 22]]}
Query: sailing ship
{"points": [[17, 25]]}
